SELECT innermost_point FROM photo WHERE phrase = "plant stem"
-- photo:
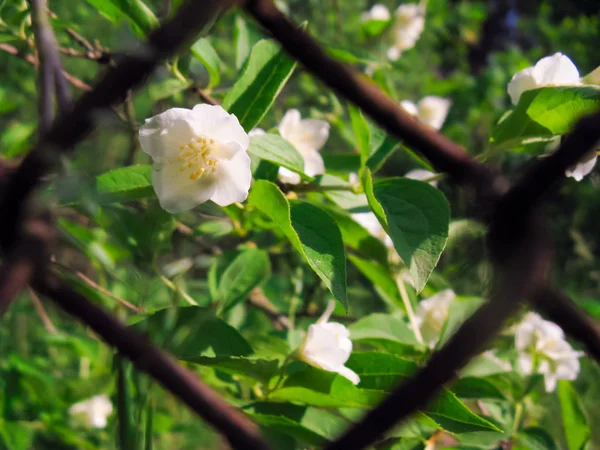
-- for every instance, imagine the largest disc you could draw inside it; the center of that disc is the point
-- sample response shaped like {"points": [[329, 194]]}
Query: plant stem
{"points": [[409, 310]]}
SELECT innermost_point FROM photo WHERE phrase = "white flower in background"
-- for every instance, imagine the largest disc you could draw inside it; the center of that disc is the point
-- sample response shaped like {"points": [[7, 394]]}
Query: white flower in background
{"points": [[555, 70], [431, 314], [409, 22], [256, 132], [327, 345], [421, 174], [369, 222], [377, 12], [96, 410], [198, 155], [430, 110], [308, 136], [543, 349], [582, 168]]}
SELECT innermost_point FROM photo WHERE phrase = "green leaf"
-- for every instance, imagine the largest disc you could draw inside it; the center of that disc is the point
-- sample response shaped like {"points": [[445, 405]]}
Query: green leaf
{"points": [[191, 331], [459, 311], [138, 13], [125, 184], [16, 138], [577, 430], [545, 112], [317, 387], [207, 55], [383, 281], [382, 147], [380, 371], [535, 438], [344, 199], [418, 217], [476, 388], [267, 70], [310, 425], [257, 368], [366, 180], [248, 270], [16, 435], [245, 36], [162, 89], [107, 9], [312, 232], [356, 237], [382, 327], [453, 416], [361, 131], [277, 150]]}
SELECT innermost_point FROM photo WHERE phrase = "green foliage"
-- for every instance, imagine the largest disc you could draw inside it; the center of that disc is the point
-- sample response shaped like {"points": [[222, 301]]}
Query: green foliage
{"points": [[265, 73], [260, 272]]}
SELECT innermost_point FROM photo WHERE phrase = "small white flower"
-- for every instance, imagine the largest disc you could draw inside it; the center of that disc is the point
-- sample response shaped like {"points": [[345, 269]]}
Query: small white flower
{"points": [[421, 174], [256, 132], [543, 349], [408, 26], [431, 314], [308, 136], [198, 155], [377, 12], [96, 410], [583, 167], [430, 110], [555, 70], [327, 345]]}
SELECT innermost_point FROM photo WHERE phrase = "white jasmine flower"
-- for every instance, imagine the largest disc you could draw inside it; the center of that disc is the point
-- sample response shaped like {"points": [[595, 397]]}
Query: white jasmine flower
{"points": [[256, 132], [543, 349], [198, 155], [308, 136], [327, 346], [583, 167], [430, 110], [377, 12], [408, 26], [555, 70], [431, 315], [421, 174], [96, 410]]}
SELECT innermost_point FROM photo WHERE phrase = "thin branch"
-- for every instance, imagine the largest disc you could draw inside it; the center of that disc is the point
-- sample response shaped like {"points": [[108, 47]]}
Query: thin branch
{"points": [[91, 283], [134, 143], [206, 98], [239, 430], [39, 307], [444, 154], [258, 300]]}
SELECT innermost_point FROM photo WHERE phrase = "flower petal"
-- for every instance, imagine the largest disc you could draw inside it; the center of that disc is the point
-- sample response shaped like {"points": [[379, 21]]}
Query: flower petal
{"points": [[421, 174], [287, 176], [289, 123], [313, 163], [349, 374], [161, 135], [314, 133], [226, 150], [433, 110], [214, 122], [321, 349], [409, 107], [233, 180], [581, 169], [520, 82], [556, 70], [177, 192]]}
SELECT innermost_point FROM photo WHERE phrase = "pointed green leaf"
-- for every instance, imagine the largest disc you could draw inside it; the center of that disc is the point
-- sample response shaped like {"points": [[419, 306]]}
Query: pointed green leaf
{"points": [[278, 150], [418, 218], [577, 430], [207, 55]]}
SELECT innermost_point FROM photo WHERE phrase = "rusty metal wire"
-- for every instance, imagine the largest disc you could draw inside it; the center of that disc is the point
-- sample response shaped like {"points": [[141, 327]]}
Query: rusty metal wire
{"points": [[518, 243]]}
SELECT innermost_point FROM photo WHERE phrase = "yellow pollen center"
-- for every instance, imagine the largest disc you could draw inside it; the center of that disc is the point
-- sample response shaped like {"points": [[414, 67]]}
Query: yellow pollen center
{"points": [[195, 156]]}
